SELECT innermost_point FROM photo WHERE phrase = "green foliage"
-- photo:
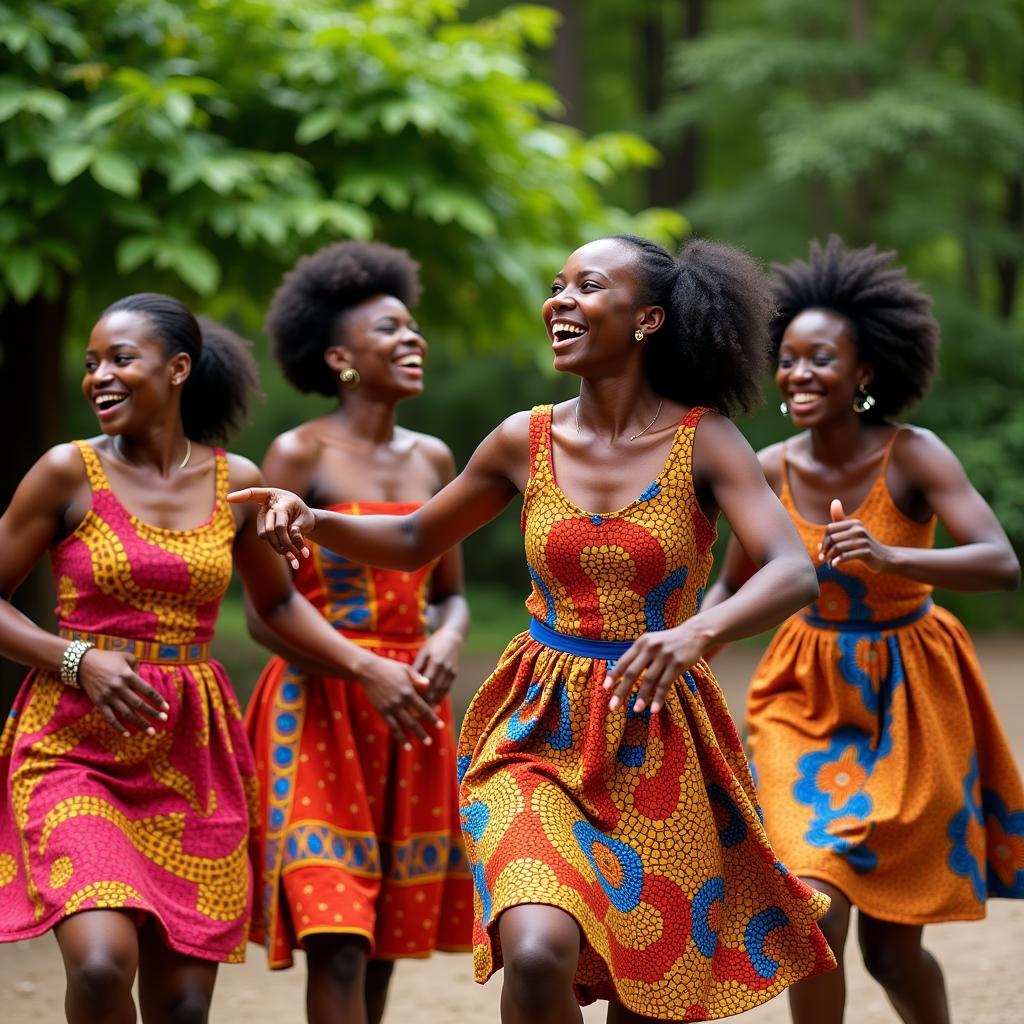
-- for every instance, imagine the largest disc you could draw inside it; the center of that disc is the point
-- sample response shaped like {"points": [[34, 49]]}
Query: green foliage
{"points": [[208, 143], [908, 132]]}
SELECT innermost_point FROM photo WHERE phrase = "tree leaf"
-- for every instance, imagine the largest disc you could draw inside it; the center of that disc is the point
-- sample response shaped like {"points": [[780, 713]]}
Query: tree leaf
{"points": [[116, 172], [23, 272], [134, 251], [193, 263], [315, 126], [68, 161]]}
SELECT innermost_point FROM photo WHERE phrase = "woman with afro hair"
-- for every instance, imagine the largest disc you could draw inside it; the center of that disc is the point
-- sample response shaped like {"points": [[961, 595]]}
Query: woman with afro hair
{"points": [[361, 857], [610, 817], [885, 778]]}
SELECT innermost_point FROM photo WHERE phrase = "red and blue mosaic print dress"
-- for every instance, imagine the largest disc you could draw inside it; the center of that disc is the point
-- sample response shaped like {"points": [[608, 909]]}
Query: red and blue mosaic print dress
{"points": [[881, 766], [644, 828], [357, 835], [91, 819]]}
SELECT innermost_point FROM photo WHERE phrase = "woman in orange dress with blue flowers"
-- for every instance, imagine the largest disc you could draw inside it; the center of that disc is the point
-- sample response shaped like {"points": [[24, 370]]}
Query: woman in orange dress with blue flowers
{"points": [[361, 860], [884, 775], [126, 779], [610, 818]]}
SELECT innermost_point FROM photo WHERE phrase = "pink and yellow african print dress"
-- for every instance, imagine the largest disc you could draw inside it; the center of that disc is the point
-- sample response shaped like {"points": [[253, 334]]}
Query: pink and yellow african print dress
{"points": [[880, 763], [643, 827], [92, 819], [358, 836]]}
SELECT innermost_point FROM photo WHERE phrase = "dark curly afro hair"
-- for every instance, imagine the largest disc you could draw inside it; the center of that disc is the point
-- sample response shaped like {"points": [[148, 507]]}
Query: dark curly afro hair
{"points": [[713, 348], [303, 317], [893, 325]]}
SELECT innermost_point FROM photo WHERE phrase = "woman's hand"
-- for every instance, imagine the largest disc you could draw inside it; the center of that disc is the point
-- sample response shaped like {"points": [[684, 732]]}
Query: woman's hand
{"points": [[656, 660], [397, 692], [110, 681], [847, 540], [438, 660], [283, 520]]}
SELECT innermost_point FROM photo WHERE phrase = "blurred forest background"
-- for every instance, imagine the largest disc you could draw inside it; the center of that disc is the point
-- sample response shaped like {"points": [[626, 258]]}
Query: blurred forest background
{"points": [[200, 146]]}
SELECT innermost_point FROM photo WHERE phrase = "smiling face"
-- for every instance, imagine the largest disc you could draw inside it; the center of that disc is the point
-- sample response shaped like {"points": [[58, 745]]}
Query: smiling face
{"points": [[592, 313], [129, 380], [380, 338], [819, 368]]}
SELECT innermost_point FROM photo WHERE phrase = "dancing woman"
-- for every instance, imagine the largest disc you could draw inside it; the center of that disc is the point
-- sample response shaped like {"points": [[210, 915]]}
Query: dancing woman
{"points": [[885, 777], [126, 780], [609, 813], [361, 855]]}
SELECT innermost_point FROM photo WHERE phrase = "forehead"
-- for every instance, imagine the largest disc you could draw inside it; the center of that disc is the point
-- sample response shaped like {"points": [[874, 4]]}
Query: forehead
{"points": [[123, 327], [817, 327], [606, 255], [377, 306]]}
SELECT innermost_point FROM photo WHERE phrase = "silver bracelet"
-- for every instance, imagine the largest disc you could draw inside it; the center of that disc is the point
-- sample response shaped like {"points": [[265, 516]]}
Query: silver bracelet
{"points": [[73, 654]]}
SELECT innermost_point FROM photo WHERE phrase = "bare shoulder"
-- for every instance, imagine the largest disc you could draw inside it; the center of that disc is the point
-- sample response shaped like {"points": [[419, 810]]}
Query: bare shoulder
{"points": [[242, 473], [53, 481], [771, 463], [716, 435], [299, 446], [63, 466], [922, 456]]}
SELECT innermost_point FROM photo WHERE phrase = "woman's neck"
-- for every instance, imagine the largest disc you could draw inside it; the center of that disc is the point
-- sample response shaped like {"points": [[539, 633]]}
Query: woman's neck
{"points": [[365, 418]]}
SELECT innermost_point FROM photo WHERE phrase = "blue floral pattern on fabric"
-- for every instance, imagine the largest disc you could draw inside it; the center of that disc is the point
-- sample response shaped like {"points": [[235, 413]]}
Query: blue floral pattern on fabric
{"points": [[758, 929], [550, 619], [475, 818], [346, 584], [632, 754], [831, 783], [961, 860], [618, 867], [520, 727], [854, 589], [734, 830], [1005, 840]]}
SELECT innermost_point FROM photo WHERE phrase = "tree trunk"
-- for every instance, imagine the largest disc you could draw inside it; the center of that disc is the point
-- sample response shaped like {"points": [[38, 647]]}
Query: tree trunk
{"points": [[677, 177], [31, 420], [1008, 267], [567, 72]]}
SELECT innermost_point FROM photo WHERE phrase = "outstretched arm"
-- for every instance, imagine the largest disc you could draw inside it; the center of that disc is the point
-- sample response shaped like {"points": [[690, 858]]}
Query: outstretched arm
{"points": [[783, 580], [983, 558], [498, 470]]}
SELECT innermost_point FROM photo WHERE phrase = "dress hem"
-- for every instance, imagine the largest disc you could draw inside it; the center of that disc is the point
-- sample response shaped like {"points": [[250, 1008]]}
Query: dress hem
{"points": [[588, 1000], [887, 916]]}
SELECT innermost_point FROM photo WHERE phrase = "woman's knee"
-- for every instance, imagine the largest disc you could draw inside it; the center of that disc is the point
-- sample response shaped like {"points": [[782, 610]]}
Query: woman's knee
{"points": [[101, 977], [189, 1006], [340, 961], [537, 966], [891, 964]]}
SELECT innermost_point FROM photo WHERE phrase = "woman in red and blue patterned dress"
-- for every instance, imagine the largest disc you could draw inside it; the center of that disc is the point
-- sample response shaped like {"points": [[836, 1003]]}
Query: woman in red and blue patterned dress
{"points": [[610, 818], [361, 860], [126, 780]]}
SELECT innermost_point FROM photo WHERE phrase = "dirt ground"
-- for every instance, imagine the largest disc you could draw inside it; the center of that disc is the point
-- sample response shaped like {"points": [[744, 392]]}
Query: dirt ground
{"points": [[982, 960]]}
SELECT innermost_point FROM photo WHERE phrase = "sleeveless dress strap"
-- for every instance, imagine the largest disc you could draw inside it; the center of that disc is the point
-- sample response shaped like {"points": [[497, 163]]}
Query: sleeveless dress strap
{"points": [[695, 415], [540, 444], [93, 467]]}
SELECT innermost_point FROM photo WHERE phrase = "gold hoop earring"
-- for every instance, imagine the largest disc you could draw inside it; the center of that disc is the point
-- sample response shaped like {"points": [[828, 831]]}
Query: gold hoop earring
{"points": [[349, 377], [862, 401], [639, 334]]}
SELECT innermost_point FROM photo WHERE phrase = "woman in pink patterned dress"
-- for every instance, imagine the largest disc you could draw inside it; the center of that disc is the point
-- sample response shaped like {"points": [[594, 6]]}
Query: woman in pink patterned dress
{"points": [[126, 781]]}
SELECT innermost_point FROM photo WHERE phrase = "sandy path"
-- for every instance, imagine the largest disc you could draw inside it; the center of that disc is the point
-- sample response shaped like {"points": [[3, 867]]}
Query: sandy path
{"points": [[983, 961]]}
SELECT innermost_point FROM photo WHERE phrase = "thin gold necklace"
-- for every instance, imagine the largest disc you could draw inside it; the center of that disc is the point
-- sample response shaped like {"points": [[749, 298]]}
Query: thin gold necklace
{"points": [[637, 434], [181, 465]]}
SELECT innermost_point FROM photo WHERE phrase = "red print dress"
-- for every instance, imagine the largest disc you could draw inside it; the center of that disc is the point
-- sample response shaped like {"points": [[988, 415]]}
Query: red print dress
{"points": [[357, 835]]}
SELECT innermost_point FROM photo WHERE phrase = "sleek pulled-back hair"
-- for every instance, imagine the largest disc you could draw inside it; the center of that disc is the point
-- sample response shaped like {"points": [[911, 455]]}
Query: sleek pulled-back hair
{"points": [[303, 317], [215, 398], [891, 317], [713, 348]]}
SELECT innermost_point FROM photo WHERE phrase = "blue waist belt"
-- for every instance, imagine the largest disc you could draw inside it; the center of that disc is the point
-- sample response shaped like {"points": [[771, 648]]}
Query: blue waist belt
{"points": [[603, 650], [867, 625]]}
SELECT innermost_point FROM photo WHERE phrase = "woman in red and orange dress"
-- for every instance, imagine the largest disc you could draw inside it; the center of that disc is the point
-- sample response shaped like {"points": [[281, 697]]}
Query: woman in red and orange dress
{"points": [[610, 818], [126, 780], [885, 778], [361, 859]]}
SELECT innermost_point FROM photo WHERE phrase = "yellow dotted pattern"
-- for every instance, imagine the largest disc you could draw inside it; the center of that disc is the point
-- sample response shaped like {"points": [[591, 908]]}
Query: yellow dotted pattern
{"points": [[61, 872], [223, 890], [98, 895], [8, 869], [205, 551]]}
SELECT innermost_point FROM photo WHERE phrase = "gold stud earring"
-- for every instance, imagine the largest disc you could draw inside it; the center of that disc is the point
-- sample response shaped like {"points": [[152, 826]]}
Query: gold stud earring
{"points": [[349, 376], [639, 334]]}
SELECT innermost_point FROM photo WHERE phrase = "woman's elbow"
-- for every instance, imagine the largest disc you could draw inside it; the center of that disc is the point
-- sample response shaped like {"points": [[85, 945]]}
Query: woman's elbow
{"points": [[1010, 576], [805, 583]]}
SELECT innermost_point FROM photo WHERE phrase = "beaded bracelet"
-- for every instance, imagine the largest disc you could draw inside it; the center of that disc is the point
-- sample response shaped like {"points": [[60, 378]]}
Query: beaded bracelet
{"points": [[73, 654]]}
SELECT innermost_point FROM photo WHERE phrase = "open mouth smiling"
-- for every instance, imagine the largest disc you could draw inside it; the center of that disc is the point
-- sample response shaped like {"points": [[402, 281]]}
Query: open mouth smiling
{"points": [[564, 330]]}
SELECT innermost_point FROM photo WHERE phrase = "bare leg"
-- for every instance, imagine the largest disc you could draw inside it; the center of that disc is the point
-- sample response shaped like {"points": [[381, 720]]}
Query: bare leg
{"points": [[822, 999], [101, 955], [173, 988], [910, 975], [378, 978], [336, 979], [541, 946], [618, 1014]]}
